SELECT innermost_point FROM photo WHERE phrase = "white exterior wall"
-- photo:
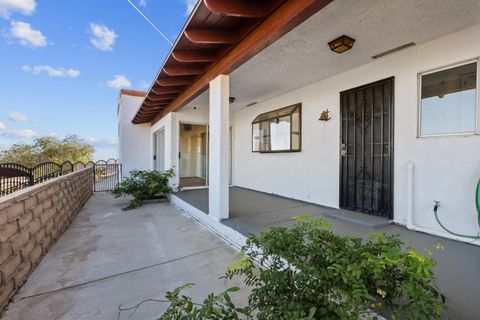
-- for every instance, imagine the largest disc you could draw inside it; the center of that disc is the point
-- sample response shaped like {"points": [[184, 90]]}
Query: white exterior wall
{"points": [[171, 124], [134, 141], [446, 168]]}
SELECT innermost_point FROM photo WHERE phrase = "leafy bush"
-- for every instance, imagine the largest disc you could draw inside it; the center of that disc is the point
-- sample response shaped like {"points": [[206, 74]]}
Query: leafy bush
{"points": [[143, 185], [309, 272]]}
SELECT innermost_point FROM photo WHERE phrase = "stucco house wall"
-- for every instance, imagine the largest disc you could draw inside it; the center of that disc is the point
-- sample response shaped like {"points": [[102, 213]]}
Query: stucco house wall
{"points": [[447, 168], [171, 124], [134, 141]]}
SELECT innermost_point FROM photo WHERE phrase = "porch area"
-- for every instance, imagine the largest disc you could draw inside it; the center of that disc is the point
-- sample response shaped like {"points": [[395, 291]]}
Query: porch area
{"points": [[458, 268]]}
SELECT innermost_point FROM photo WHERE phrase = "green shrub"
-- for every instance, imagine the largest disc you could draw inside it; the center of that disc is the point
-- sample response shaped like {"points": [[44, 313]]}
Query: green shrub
{"points": [[309, 272], [143, 185]]}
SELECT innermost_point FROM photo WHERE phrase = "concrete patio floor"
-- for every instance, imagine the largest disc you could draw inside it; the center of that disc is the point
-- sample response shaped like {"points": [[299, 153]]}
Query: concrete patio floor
{"points": [[109, 258], [458, 269]]}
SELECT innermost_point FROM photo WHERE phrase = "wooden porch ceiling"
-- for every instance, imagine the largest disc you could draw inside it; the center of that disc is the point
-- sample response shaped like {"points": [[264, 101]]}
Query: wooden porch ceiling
{"points": [[219, 37]]}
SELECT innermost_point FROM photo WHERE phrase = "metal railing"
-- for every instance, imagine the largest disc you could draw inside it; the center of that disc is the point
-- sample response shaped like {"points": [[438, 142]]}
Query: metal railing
{"points": [[107, 175], [14, 176]]}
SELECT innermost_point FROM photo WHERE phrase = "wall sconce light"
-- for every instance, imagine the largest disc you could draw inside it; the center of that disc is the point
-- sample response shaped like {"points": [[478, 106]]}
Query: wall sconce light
{"points": [[324, 116], [341, 44]]}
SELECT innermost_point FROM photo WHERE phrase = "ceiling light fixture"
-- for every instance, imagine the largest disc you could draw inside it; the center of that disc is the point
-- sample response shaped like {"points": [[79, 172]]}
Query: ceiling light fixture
{"points": [[341, 44]]}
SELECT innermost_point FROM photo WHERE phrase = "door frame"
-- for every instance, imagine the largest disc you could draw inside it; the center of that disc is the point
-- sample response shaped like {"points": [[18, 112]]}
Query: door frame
{"points": [[193, 123], [231, 151], [392, 142], [156, 151]]}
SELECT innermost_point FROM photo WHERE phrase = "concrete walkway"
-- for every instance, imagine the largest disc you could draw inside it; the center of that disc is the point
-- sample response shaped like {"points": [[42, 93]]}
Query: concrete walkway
{"points": [[109, 258]]}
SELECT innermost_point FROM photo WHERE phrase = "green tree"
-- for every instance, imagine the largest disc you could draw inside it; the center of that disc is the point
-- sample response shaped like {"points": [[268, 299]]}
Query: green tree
{"points": [[71, 148]]}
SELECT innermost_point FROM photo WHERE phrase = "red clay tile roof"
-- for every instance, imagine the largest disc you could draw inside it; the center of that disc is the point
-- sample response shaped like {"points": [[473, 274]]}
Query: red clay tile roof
{"points": [[133, 93]]}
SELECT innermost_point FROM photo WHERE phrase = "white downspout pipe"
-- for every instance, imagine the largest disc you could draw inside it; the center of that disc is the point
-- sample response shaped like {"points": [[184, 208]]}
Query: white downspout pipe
{"points": [[410, 169]]}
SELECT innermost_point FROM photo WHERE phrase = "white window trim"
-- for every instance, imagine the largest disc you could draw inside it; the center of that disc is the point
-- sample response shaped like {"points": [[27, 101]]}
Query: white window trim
{"points": [[476, 131]]}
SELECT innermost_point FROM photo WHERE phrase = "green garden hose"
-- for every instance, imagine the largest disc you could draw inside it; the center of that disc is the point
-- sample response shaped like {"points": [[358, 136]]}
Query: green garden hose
{"points": [[477, 202]]}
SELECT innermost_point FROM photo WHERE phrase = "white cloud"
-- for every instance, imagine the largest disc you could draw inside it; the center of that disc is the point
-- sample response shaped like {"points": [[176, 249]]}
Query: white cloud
{"points": [[7, 7], [27, 134], [119, 81], [18, 134], [23, 134], [143, 84], [102, 37], [26, 35], [101, 142], [51, 71], [142, 3], [20, 117], [190, 4], [17, 117]]}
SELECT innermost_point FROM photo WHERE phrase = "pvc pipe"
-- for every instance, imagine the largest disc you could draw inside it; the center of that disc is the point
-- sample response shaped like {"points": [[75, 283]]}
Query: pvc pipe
{"points": [[410, 169]]}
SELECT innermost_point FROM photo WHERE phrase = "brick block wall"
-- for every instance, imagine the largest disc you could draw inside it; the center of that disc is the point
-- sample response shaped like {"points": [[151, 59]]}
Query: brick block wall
{"points": [[31, 220]]}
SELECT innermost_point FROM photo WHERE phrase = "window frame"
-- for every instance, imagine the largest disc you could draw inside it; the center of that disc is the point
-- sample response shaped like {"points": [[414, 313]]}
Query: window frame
{"points": [[296, 106], [477, 100]]}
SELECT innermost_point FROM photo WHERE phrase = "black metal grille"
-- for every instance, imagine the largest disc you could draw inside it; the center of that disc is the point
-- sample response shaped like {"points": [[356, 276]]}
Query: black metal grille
{"points": [[367, 149], [107, 175], [14, 177]]}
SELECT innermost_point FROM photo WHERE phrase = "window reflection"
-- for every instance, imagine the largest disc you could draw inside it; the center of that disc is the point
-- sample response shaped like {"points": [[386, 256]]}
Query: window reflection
{"points": [[448, 101], [277, 130]]}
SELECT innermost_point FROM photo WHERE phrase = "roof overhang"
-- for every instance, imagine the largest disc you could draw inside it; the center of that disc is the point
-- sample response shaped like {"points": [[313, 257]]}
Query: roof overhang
{"points": [[218, 37]]}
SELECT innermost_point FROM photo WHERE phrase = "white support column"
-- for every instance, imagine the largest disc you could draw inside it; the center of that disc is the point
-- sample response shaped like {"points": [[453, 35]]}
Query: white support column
{"points": [[218, 147], [175, 135], [171, 146]]}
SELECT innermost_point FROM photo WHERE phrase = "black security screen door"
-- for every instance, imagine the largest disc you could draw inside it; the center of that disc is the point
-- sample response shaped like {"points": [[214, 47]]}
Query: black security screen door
{"points": [[366, 150]]}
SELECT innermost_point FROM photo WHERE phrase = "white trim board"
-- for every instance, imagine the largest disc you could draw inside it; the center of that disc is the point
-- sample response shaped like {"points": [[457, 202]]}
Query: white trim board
{"points": [[230, 235]]}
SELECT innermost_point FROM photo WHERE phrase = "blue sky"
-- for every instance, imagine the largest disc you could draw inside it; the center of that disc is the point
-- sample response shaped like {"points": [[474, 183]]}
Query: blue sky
{"points": [[63, 63]]}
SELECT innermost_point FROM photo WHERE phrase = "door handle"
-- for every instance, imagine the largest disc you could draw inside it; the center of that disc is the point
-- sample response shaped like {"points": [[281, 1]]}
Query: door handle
{"points": [[343, 150]]}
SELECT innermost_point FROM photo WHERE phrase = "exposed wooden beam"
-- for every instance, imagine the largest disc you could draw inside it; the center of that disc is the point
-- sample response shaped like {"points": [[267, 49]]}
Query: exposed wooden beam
{"points": [[281, 21], [175, 81], [145, 117], [237, 8], [155, 104], [184, 70], [140, 120], [194, 56], [149, 114], [211, 37], [156, 98], [166, 90], [148, 109], [148, 106]]}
